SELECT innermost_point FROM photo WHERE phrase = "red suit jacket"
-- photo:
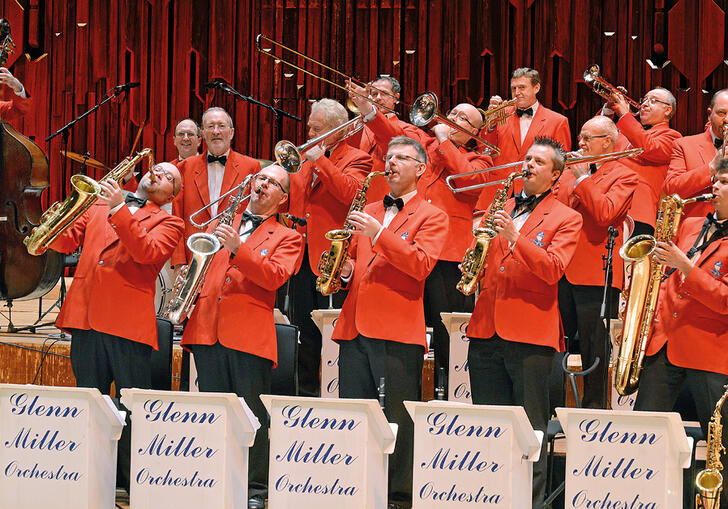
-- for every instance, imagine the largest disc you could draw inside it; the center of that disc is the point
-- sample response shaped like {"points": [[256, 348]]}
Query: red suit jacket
{"points": [[196, 194], [113, 289], [519, 289], [16, 107], [443, 159], [325, 205], [650, 165], [386, 287], [688, 174], [507, 138], [235, 306], [693, 313], [602, 200]]}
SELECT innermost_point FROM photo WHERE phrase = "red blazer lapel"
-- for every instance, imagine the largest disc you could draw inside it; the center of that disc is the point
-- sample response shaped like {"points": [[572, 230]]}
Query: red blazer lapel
{"points": [[539, 118], [200, 180], [537, 216], [230, 176], [404, 214], [514, 125], [712, 248], [706, 149]]}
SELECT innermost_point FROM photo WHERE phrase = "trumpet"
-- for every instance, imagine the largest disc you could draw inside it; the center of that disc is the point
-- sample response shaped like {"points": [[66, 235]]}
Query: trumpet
{"points": [[571, 159], [289, 156], [497, 115], [602, 87], [424, 110], [278, 58]]}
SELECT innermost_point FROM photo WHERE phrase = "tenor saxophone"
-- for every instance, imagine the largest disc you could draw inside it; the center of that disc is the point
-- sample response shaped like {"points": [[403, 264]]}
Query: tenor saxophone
{"points": [[643, 290], [202, 246], [709, 481], [61, 215], [477, 254], [332, 261]]}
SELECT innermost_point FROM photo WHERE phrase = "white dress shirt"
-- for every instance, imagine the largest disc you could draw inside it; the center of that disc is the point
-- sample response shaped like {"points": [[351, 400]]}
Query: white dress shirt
{"points": [[215, 174], [525, 121]]}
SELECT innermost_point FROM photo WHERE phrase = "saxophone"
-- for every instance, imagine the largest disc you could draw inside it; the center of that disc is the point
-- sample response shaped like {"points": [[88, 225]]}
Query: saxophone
{"points": [[710, 481], [475, 257], [644, 289], [332, 261], [202, 246], [61, 215]]}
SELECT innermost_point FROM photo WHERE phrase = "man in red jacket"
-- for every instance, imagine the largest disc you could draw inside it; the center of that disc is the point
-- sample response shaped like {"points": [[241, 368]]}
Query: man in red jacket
{"points": [[449, 152], [689, 342], [652, 133], [602, 194], [515, 329], [18, 105], [532, 119], [695, 158], [231, 331], [321, 192], [381, 329], [109, 309], [208, 176], [385, 92], [187, 139], [125, 245]]}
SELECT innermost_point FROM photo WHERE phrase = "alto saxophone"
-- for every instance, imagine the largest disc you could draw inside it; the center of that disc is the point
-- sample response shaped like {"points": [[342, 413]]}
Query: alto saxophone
{"points": [[710, 481], [475, 257], [644, 289], [203, 247], [61, 215], [332, 261]]}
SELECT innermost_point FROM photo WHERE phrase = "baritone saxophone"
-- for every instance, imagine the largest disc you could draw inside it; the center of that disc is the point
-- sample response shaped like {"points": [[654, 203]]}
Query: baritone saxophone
{"points": [[61, 215], [332, 261], [643, 290], [709, 481]]}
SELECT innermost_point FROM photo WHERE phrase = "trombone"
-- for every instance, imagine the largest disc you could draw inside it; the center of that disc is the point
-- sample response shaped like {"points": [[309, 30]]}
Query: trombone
{"points": [[289, 156], [602, 87], [270, 52], [235, 189], [572, 159], [424, 111]]}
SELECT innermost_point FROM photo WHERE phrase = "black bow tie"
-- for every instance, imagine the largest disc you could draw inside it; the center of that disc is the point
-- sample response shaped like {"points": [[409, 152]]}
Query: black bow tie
{"points": [[256, 220], [592, 168], [389, 201], [718, 142], [528, 112], [132, 199], [526, 201], [647, 127], [220, 159]]}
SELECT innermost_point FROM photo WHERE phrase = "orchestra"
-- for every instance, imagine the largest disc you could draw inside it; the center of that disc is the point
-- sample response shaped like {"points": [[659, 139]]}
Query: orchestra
{"points": [[521, 243]]}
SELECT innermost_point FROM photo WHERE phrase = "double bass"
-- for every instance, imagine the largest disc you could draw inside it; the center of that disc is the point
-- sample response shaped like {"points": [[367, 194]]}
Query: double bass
{"points": [[25, 174]]}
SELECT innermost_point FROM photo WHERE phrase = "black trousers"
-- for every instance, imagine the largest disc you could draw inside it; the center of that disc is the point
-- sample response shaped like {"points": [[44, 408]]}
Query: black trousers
{"points": [[97, 359], [362, 362], [305, 300], [221, 369], [441, 296], [511, 373], [661, 383], [580, 308]]}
